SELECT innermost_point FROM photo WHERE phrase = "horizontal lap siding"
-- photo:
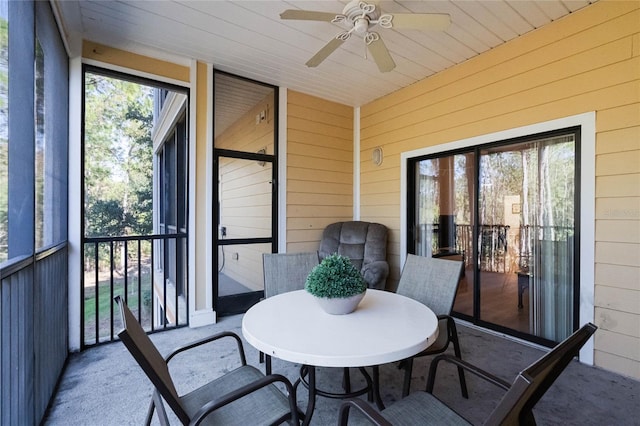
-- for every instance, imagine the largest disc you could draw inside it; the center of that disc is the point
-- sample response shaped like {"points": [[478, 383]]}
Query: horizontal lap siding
{"points": [[587, 61], [246, 193], [319, 168]]}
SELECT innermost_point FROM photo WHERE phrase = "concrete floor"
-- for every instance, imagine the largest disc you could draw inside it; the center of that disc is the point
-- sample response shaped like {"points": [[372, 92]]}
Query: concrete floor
{"points": [[104, 386]]}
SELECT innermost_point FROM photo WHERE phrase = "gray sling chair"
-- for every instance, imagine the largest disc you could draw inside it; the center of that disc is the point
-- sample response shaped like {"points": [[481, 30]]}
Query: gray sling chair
{"points": [[285, 272], [240, 397], [515, 407], [364, 243], [433, 282]]}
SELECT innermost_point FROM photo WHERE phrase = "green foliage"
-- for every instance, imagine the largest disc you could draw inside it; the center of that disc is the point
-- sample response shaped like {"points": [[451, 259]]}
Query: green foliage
{"points": [[334, 277], [104, 217], [4, 199], [118, 157]]}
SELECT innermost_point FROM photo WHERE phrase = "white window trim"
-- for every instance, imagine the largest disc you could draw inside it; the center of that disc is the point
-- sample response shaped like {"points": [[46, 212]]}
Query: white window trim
{"points": [[207, 314], [282, 169], [587, 123], [356, 164], [175, 104], [74, 202]]}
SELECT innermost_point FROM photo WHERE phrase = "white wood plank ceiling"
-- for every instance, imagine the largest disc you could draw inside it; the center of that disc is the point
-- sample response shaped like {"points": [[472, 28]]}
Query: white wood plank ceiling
{"points": [[249, 39]]}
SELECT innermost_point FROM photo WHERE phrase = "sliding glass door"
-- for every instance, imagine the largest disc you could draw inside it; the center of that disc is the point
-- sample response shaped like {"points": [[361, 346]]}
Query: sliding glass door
{"points": [[443, 215], [508, 210]]}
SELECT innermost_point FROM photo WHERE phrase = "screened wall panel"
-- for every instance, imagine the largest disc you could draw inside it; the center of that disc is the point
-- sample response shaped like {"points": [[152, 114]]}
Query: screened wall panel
{"points": [[33, 210]]}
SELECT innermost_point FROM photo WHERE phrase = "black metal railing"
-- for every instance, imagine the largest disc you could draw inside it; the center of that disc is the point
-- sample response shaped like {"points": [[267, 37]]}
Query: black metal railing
{"points": [[149, 272], [501, 249]]}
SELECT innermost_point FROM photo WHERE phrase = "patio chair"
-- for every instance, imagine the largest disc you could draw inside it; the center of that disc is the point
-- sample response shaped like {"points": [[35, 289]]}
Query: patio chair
{"points": [[433, 282], [364, 243], [285, 272], [515, 407], [240, 397]]}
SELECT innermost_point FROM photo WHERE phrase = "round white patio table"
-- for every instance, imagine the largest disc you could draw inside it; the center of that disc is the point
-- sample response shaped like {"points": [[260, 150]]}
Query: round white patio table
{"points": [[386, 327]]}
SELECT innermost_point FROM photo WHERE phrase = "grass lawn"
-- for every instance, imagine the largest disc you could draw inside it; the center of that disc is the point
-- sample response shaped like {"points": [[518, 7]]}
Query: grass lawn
{"points": [[106, 305]]}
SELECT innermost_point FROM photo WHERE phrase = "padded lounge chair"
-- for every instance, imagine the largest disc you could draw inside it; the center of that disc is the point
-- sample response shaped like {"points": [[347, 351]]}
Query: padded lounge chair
{"points": [[364, 243], [433, 282], [515, 408], [240, 397]]}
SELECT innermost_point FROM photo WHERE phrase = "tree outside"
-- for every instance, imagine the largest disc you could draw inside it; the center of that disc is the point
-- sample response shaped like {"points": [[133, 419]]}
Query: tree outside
{"points": [[118, 197], [4, 137], [118, 157]]}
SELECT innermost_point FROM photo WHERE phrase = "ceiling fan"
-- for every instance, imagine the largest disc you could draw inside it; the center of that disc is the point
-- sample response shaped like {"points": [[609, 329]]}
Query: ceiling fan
{"points": [[361, 18]]}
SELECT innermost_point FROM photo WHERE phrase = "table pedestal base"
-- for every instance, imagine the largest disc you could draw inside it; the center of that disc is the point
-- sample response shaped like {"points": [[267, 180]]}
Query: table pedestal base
{"points": [[372, 388]]}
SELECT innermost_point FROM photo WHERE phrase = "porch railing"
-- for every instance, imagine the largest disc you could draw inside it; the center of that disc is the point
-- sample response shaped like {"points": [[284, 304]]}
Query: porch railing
{"points": [[33, 333], [149, 272], [502, 248]]}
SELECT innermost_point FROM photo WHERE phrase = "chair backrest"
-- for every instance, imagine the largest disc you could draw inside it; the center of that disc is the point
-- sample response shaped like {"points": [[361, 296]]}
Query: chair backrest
{"points": [[431, 281], [150, 360], [285, 272], [516, 406], [362, 242]]}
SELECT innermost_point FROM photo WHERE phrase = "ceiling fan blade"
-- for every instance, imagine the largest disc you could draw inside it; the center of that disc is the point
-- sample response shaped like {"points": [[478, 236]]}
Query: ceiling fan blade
{"points": [[307, 15], [421, 21], [381, 55], [324, 52]]}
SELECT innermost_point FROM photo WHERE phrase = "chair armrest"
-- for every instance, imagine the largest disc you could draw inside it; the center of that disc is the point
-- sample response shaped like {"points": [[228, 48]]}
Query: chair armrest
{"points": [[451, 327], [451, 322], [376, 273], [365, 409], [466, 366], [243, 358], [211, 406]]}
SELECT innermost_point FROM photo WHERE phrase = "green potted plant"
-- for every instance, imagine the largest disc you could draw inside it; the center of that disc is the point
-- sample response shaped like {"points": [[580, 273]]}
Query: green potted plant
{"points": [[337, 284]]}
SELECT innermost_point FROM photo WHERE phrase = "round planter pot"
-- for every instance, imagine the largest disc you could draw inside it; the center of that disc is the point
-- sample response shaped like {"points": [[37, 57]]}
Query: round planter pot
{"points": [[340, 305]]}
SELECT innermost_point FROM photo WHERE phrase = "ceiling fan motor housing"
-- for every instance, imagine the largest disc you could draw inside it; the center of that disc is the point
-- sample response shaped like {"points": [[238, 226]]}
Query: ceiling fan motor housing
{"points": [[360, 13]]}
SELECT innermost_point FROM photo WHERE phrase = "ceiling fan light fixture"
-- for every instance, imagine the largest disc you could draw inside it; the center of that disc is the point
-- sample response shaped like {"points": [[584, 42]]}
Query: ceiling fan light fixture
{"points": [[361, 25]]}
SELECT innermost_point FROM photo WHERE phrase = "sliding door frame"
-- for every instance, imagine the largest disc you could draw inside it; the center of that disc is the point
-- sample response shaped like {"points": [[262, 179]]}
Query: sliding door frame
{"points": [[584, 199]]}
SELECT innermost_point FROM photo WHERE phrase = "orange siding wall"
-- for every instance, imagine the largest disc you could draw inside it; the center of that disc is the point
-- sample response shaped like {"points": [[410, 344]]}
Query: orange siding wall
{"points": [[587, 61], [245, 194], [319, 168], [111, 55]]}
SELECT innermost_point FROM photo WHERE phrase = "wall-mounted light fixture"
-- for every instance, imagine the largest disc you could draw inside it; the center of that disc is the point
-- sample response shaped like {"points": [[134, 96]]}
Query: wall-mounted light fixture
{"points": [[262, 151], [376, 156]]}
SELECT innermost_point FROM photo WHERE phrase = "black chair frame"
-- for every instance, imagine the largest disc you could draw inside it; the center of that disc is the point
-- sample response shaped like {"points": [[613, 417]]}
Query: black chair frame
{"points": [[452, 338], [516, 407], [164, 392]]}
